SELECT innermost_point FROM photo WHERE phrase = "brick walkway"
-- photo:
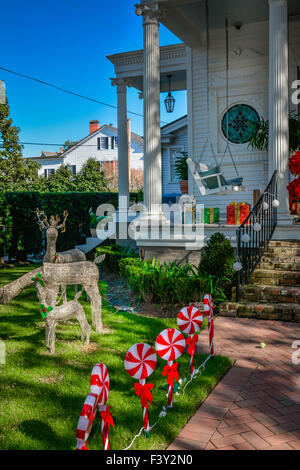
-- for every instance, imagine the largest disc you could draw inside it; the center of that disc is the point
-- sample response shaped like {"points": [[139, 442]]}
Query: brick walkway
{"points": [[257, 404]]}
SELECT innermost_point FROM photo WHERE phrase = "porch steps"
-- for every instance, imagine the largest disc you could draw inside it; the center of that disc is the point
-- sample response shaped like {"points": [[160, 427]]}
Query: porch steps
{"points": [[90, 244], [273, 291]]}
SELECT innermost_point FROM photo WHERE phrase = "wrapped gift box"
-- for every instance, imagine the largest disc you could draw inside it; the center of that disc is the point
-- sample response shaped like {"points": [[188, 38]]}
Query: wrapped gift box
{"points": [[237, 213], [296, 208], [189, 215], [210, 215]]}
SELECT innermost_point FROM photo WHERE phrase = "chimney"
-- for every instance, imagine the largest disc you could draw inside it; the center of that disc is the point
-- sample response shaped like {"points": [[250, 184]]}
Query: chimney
{"points": [[94, 126], [60, 150]]}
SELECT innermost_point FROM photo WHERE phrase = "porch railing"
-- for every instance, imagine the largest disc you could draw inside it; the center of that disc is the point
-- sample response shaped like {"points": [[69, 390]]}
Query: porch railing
{"points": [[250, 251]]}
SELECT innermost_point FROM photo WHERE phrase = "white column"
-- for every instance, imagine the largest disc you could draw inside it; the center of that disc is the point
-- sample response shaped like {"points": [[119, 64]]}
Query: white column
{"points": [[151, 94], [279, 101], [123, 180]]}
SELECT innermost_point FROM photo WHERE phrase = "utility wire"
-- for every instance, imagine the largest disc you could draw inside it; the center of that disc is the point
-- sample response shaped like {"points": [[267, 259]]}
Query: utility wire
{"points": [[69, 92]]}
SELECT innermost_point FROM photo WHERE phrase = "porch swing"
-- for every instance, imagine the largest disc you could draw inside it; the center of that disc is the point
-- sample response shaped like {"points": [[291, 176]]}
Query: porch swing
{"points": [[210, 180]]}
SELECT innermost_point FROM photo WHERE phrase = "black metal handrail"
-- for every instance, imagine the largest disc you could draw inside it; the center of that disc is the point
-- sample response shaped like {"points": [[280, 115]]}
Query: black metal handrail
{"points": [[250, 253]]}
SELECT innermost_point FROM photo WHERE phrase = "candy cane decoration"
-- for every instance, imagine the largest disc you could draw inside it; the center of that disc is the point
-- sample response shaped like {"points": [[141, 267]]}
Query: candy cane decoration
{"points": [[208, 310], [86, 421], [169, 345], [100, 385], [139, 363], [97, 397], [189, 320]]}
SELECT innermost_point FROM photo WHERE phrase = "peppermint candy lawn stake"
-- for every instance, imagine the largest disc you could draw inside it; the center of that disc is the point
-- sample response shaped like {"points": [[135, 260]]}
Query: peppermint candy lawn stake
{"points": [[189, 321], [139, 363], [208, 310], [100, 386], [169, 345]]}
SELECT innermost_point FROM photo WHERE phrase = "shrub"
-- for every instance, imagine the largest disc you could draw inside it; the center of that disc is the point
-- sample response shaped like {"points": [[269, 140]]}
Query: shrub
{"points": [[5, 227], [164, 283], [114, 255], [217, 257], [26, 231]]}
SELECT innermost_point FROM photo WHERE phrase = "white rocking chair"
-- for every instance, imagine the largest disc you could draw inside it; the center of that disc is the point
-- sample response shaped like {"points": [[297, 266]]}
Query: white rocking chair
{"points": [[211, 180]]}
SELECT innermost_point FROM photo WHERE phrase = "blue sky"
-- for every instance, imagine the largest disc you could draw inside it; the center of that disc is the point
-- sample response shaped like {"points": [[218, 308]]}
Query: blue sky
{"points": [[65, 43]]}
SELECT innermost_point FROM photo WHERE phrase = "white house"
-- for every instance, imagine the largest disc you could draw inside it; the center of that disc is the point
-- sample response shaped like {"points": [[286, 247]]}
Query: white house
{"points": [[102, 144], [238, 58]]}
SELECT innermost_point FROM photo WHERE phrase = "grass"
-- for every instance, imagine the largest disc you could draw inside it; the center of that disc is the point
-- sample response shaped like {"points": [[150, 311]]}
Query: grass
{"points": [[42, 394]]}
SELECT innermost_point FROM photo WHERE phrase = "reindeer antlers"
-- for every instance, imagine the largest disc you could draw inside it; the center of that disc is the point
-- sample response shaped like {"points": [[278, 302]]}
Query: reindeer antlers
{"points": [[42, 223], [54, 221]]}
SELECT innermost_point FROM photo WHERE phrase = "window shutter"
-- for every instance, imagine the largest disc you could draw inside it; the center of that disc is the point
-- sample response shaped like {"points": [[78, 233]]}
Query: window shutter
{"points": [[98, 143]]}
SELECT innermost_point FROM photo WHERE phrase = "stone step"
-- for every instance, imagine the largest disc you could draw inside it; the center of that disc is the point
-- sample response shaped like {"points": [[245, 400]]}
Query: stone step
{"points": [[269, 277], [287, 264], [273, 294], [282, 251], [290, 243], [280, 311]]}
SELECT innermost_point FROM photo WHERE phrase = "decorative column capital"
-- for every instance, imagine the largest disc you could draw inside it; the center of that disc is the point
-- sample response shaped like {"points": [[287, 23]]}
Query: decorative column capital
{"points": [[121, 84], [151, 12]]}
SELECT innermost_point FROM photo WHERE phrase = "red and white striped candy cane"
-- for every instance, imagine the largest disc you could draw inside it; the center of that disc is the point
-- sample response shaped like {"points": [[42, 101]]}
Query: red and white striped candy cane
{"points": [[191, 343], [86, 420], [190, 320], [208, 310]]}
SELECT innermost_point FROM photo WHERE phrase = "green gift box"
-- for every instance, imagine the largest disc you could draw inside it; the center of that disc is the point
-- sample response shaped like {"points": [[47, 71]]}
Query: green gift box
{"points": [[211, 215]]}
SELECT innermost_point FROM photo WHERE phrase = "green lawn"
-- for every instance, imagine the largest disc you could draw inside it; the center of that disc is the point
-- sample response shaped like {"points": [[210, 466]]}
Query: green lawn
{"points": [[42, 395]]}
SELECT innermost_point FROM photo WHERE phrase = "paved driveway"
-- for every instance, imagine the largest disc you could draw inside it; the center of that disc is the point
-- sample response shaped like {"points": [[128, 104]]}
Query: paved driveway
{"points": [[257, 403]]}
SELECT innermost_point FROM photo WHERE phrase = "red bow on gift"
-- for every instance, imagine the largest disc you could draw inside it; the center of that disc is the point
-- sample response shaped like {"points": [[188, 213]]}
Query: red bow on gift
{"points": [[107, 418], [172, 373], [190, 342], [144, 391]]}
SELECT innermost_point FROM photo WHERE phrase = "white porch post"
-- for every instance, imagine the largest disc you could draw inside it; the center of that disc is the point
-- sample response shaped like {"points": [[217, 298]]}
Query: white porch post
{"points": [[123, 180], [278, 101], [151, 93]]}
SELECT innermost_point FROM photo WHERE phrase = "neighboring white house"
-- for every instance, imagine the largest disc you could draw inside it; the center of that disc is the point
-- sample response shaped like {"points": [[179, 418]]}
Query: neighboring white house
{"points": [[101, 144], [263, 61]]}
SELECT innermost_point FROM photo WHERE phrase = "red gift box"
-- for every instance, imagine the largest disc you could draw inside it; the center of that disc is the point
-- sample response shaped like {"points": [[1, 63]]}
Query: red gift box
{"points": [[237, 213]]}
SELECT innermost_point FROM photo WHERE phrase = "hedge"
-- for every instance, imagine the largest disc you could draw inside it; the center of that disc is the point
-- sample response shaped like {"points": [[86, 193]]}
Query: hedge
{"points": [[113, 255], [26, 235]]}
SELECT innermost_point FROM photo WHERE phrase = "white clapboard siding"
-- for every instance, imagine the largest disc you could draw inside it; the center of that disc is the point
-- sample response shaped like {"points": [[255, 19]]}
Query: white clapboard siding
{"points": [[248, 83]]}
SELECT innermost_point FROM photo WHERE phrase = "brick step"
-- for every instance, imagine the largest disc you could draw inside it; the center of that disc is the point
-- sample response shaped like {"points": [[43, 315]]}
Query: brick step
{"points": [[273, 294], [275, 277], [266, 258], [285, 243], [282, 311], [287, 264], [282, 251]]}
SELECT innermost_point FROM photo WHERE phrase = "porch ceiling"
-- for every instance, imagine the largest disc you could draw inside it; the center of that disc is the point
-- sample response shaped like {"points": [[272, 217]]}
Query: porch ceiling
{"points": [[173, 61], [187, 18]]}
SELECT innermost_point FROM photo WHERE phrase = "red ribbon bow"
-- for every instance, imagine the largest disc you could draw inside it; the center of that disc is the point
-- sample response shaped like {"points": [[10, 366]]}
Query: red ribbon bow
{"points": [[172, 373], [107, 418], [144, 391], [190, 342]]}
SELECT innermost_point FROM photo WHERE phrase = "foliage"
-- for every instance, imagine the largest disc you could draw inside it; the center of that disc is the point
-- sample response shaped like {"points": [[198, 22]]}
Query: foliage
{"points": [[114, 254], [94, 219], [62, 180], [181, 167], [69, 144], [260, 140], [26, 235], [217, 257], [169, 283], [44, 394], [5, 227], [91, 177], [16, 172]]}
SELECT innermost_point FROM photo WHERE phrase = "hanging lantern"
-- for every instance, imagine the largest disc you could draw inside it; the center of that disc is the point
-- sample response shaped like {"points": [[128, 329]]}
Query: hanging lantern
{"points": [[265, 206], [275, 203], [257, 227], [170, 100]]}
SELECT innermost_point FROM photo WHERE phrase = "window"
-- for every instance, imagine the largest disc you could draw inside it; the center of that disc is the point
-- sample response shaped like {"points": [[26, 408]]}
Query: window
{"points": [[239, 123], [72, 169], [48, 172], [174, 154], [116, 142], [102, 143]]}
